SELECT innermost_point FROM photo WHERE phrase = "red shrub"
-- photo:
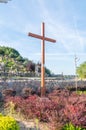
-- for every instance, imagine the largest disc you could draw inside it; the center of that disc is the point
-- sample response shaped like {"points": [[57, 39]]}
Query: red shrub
{"points": [[58, 108]]}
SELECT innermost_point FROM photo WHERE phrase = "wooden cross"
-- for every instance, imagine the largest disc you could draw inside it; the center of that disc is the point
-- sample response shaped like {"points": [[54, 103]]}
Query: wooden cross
{"points": [[43, 39]]}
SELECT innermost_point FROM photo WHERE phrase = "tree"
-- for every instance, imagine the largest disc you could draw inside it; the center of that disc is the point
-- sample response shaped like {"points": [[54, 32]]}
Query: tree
{"points": [[47, 71], [30, 66], [81, 70], [2, 52], [19, 58]]}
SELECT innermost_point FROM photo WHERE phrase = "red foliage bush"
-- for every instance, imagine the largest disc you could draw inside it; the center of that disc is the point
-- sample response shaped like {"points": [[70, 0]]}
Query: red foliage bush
{"points": [[9, 92], [73, 107], [33, 106], [58, 108], [26, 92]]}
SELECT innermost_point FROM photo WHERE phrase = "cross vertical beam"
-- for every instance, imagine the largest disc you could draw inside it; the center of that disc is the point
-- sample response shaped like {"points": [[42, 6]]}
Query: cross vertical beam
{"points": [[43, 60], [43, 39]]}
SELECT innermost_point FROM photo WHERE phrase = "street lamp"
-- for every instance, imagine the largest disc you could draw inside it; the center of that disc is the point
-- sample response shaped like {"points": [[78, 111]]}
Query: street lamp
{"points": [[4, 1], [76, 60]]}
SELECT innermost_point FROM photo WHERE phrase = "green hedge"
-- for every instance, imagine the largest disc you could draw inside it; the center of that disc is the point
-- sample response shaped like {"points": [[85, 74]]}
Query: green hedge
{"points": [[8, 123], [72, 127]]}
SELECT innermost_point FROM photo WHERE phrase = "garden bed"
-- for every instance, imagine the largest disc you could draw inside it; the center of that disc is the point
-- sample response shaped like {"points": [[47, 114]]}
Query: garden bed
{"points": [[57, 109]]}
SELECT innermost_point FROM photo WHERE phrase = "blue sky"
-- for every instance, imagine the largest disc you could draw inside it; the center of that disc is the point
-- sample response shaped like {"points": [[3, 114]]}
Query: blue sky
{"points": [[65, 21]]}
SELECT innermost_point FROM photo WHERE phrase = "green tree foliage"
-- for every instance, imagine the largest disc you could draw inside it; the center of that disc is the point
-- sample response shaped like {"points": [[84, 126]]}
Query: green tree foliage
{"points": [[47, 71], [2, 52], [11, 59], [19, 58], [9, 52], [81, 70]]}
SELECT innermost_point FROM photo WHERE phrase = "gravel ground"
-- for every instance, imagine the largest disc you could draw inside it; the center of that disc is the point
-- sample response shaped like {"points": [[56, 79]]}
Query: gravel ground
{"points": [[31, 125]]}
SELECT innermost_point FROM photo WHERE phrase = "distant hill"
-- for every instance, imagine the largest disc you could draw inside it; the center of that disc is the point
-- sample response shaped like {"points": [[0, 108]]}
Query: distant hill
{"points": [[12, 62]]}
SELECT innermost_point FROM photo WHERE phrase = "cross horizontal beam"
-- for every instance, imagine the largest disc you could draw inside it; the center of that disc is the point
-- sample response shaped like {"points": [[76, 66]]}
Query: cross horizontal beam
{"points": [[41, 37]]}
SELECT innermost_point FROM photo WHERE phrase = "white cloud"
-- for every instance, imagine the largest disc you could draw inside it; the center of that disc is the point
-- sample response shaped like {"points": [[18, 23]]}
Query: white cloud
{"points": [[66, 35]]}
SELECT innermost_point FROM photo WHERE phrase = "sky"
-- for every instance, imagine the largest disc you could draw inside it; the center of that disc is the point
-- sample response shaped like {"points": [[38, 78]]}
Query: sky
{"points": [[65, 21]]}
